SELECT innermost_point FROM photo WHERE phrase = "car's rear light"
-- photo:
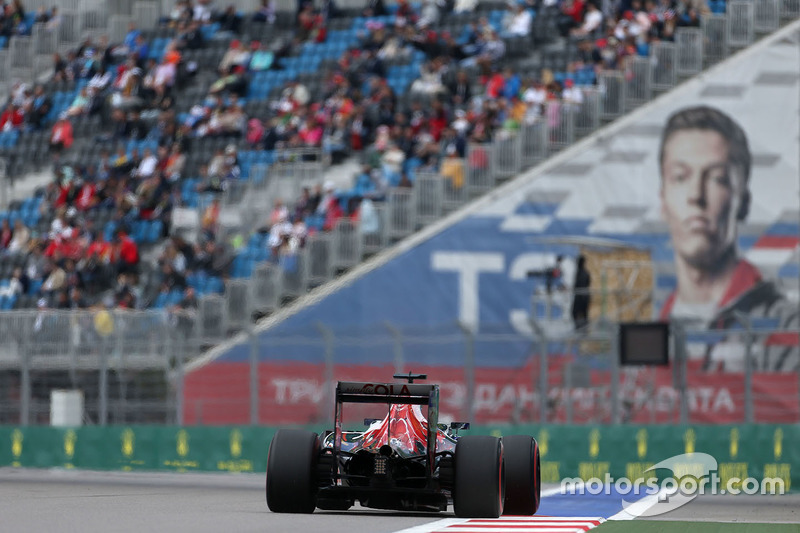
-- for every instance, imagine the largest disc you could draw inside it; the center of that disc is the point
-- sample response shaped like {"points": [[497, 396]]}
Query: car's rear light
{"points": [[381, 462]]}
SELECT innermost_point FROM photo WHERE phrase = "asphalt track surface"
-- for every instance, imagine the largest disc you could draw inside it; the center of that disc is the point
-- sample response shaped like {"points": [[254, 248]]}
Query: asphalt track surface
{"points": [[101, 502]]}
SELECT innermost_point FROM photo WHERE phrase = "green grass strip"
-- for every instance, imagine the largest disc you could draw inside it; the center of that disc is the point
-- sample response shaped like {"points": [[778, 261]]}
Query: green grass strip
{"points": [[658, 526]]}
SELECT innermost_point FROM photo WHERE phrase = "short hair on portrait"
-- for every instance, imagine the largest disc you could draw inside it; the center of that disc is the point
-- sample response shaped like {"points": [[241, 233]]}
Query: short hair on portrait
{"points": [[711, 119]]}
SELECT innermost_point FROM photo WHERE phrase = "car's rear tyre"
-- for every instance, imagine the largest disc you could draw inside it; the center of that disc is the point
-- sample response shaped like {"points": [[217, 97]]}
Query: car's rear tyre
{"points": [[479, 477], [292, 471], [523, 480]]}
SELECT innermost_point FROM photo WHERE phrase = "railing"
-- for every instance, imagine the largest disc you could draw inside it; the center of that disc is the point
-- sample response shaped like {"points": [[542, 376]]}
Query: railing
{"points": [[130, 367]]}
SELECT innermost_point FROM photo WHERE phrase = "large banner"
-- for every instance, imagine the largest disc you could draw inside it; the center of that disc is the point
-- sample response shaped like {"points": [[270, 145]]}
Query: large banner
{"points": [[585, 452], [704, 187]]}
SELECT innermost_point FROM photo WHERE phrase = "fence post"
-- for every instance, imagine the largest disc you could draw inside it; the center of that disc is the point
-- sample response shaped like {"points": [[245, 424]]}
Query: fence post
{"points": [[25, 401], [399, 358], [750, 337], [568, 390], [679, 349], [543, 368], [103, 390], [254, 384], [614, 393], [180, 351], [329, 339], [469, 367], [3, 185]]}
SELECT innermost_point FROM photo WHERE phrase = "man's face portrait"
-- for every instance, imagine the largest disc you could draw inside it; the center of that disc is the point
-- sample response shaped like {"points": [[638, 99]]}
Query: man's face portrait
{"points": [[701, 194]]}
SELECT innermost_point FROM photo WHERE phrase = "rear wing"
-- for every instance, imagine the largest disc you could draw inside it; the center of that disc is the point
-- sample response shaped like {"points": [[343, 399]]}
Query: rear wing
{"points": [[402, 393], [390, 393]]}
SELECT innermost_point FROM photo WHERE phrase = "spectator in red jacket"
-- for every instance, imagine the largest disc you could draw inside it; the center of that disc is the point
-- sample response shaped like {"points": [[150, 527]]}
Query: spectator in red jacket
{"points": [[61, 135], [126, 253], [12, 118]]}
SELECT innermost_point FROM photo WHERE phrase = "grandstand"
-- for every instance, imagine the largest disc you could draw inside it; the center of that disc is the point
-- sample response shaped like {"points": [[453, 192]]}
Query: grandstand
{"points": [[170, 206]]}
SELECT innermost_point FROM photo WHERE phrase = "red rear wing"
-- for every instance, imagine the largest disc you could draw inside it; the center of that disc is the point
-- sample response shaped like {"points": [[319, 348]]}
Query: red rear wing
{"points": [[390, 393]]}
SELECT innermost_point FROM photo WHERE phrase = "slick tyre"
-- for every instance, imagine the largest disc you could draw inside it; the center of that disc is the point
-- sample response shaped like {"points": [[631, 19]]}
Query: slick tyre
{"points": [[292, 471], [479, 477], [523, 481]]}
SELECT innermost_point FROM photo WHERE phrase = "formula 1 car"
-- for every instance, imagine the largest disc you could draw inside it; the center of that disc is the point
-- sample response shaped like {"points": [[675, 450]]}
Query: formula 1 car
{"points": [[405, 461]]}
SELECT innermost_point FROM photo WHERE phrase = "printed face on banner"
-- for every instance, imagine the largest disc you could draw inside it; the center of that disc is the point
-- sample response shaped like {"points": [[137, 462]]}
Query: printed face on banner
{"points": [[700, 196]]}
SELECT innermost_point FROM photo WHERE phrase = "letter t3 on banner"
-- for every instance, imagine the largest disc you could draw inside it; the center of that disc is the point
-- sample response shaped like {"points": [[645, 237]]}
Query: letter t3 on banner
{"points": [[468, 265]]}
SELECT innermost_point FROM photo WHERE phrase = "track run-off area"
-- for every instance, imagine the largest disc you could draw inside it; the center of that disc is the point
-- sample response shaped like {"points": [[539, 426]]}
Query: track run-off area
{"points": [[95, 502]]}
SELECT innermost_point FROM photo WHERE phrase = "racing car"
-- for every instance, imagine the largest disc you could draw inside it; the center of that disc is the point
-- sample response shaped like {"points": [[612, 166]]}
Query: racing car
{"points": [[406, 461]]}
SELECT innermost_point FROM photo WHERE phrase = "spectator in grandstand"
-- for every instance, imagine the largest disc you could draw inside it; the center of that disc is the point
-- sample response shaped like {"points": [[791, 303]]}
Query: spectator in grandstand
{"points": [[20, 239], [61, 137], [6, 234], [12, 118], [265, 12], [230, 22], [518, 20], [592, 21], [17, 285], [705, 164], [37, 108], [184, 314], [125, 253], [374, 8]]}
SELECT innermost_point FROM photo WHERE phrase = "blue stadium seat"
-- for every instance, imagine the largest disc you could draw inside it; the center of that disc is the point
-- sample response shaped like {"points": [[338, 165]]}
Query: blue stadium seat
{"points": [[34, 287], [214, 285], [154, 231], [161, 300]]}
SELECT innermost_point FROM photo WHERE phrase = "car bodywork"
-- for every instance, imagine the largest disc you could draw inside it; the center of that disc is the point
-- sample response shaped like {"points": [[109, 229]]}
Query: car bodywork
{"points": [[403, 461]]}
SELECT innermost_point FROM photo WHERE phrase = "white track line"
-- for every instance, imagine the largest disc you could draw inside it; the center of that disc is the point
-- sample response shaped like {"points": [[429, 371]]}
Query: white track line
{"points": [[514, 524]]}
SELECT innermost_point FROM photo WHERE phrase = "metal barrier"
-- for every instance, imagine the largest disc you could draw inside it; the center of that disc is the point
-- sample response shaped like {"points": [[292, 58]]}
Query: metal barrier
{"points": [[715, 38], [454, 191], [118, 27], [375, 241], [239, 303], [612, 88], [507, 154], [95, 22], [70, 30], [347, 244], [401, 211], [560, 117], [689, 44], [766, 16], [740, 15], [146, 14], [266, 287], [428, 197], [45, 41], [20, 57], [664, 61], [587, 118], [790, 9], [479, 173], [294, 272], [211, 321], [120, 7], [320, 266], [534, 142], [639, 74], [287, 180]]}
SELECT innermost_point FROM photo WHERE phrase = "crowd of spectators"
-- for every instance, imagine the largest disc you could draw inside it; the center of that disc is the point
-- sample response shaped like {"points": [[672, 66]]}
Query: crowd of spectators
{"points": [[463, 92]]}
